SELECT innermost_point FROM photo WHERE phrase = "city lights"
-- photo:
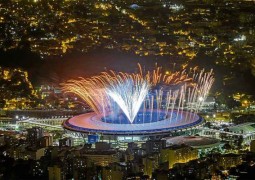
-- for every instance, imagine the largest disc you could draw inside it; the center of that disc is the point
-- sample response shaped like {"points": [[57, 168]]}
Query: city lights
{"points": [[124, 89]]}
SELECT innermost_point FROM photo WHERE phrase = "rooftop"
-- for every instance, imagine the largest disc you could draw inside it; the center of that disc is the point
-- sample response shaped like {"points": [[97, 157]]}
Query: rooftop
{"points": [[245, 128], [193, 141]]}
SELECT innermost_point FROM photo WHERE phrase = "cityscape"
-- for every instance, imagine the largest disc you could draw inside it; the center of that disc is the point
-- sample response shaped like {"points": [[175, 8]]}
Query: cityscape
{"points": [[127, 89]]}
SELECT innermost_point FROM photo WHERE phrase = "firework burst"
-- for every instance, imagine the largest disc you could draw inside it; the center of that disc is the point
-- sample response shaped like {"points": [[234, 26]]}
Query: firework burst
{"points": [[111, 93]]}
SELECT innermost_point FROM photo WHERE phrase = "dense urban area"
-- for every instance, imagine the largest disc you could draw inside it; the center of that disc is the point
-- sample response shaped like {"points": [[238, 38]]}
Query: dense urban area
{"points": [[42, 42]]}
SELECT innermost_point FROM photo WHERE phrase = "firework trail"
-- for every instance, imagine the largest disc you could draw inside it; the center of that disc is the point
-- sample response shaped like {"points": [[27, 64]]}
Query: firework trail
{"points": [[114, 92]]}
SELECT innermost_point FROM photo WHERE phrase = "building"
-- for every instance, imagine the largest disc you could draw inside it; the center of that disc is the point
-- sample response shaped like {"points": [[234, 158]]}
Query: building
{"points": [[110, 174], [154, 146], [228, 161], [133, 151], [252, 146], [84, 125], [177, 154], [246, 130], [21, 152], [56, 172], [45, 141], [2, 141], [102, 146], [35, 154], [101, 158], [150, 164], [33, 135], [203, 144], [38, 168], [68, 141], [10, 140]]}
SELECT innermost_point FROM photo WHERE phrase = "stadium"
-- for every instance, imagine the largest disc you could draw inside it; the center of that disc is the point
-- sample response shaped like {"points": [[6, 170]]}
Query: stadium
{"points": [[138, 106]]}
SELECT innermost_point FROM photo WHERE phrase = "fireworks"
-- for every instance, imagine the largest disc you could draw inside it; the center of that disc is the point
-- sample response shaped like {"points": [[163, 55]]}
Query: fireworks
{"points": [[129, 95], [113, 93]]}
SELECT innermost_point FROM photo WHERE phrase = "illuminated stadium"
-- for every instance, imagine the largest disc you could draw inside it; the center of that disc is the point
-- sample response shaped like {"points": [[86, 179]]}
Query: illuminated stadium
{"points": [[140, 105]]}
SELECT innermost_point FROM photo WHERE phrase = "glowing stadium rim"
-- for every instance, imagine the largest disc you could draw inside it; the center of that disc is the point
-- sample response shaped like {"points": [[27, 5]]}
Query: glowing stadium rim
{"points": [[150, 95], [91, 123]]}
